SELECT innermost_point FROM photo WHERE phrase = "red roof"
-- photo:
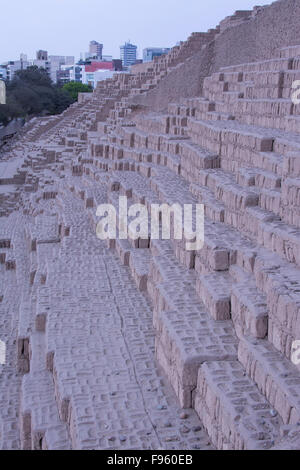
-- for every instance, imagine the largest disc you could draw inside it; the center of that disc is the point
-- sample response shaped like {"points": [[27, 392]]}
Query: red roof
{"points": [[99, 66]]}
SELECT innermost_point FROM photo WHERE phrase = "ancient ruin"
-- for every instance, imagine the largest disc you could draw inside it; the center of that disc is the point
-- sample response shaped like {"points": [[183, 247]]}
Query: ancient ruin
{"points": [[141, 344]]}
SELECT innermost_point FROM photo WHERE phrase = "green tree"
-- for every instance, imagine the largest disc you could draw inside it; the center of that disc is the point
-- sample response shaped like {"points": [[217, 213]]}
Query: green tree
{"points": [[4, 114], [62, 100], [32, 93], [33, 76], [73, 88]]}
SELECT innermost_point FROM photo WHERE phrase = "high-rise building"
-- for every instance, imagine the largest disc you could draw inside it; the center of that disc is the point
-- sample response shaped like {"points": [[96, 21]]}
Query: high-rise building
{"points": [[95, 50], [55, 64], [150, 52], [128, 54]]}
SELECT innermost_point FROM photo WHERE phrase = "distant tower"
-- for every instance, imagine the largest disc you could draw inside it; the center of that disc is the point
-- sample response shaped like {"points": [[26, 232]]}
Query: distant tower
{"points": [[95, 50], [42, 55], [128, 54]]}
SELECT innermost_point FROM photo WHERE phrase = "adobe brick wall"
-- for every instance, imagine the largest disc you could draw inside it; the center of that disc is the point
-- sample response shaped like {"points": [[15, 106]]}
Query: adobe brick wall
{"points": [[184, 81], [270, 28], [275, 26]]}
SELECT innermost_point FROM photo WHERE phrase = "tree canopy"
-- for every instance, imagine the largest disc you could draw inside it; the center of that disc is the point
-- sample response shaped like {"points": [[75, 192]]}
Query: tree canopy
{"points": [[32, 93], [73, 88]]}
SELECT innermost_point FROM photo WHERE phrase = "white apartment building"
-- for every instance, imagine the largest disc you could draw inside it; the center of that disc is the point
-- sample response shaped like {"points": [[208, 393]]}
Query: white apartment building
{"points": [[52, 65]]}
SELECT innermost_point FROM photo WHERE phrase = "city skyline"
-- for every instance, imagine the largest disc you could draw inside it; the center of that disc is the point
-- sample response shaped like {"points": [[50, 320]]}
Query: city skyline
{"points": [[76, 23]]}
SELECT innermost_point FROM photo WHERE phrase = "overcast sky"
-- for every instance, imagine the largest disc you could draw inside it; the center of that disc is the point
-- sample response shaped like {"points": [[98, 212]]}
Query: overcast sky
{"points": [[65, 27]]}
